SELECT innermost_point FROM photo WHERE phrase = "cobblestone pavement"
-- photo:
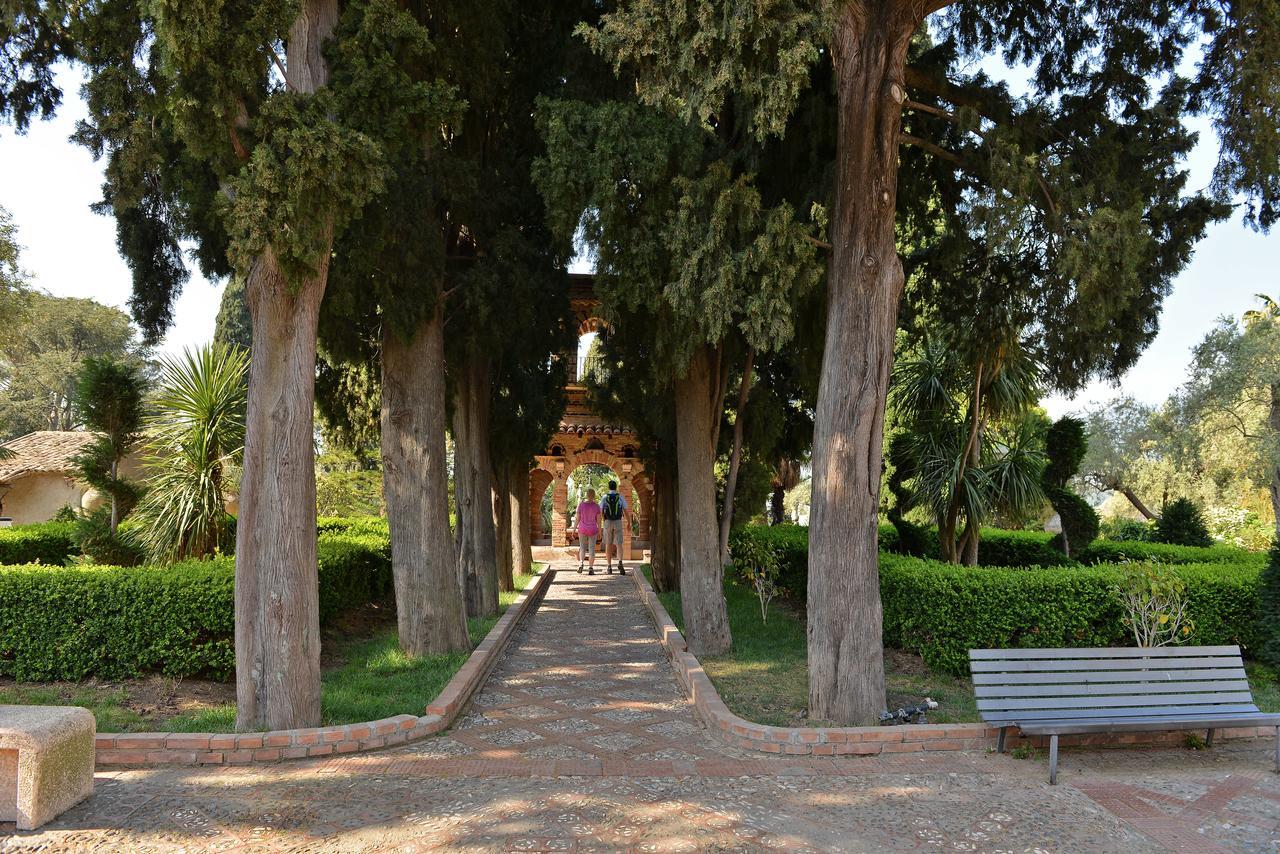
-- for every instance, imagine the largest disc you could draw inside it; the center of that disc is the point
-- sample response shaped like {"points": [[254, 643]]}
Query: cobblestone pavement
{"points": [[581, 741]]}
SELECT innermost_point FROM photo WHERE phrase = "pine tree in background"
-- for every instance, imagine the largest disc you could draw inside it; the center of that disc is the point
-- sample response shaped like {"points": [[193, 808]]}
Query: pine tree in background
{"points": [[1182, 524]]}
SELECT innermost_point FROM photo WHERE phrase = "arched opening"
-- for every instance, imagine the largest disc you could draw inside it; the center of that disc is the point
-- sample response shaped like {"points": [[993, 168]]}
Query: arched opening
{"points": [[555, 500]]}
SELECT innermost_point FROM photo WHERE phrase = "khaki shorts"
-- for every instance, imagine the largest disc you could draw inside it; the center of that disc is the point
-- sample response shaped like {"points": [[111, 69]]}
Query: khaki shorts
{"points": [[613, 534]]}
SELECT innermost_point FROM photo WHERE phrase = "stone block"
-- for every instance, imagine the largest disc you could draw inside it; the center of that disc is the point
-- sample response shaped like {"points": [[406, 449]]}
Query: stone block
{"points": [[46, 762]]}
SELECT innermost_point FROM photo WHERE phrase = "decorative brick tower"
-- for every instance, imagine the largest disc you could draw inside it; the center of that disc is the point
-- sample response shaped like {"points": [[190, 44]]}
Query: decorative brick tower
{"points": [[584, 437]]}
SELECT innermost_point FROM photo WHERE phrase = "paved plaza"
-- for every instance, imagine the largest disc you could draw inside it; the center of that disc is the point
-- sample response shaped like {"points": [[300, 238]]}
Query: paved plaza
{"points": [[581, 740]]}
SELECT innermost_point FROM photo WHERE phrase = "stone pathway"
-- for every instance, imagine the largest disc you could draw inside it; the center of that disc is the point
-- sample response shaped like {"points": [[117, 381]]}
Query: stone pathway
{"points": [[581, 741]]}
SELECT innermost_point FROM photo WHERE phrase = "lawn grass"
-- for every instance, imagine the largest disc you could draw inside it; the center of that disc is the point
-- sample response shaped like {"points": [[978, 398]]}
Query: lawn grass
{"points": [[765, 678], [372, 680]]}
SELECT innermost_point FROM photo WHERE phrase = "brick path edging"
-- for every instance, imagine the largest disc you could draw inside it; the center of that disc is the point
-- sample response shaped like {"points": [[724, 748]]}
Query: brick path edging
{"points": [[860, 741], [182, 748]]}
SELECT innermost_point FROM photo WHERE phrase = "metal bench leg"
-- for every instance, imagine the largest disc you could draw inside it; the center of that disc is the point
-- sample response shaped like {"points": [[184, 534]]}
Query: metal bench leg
{"points": [[1000, 741], [1278, 750], [1053, 760], [1208, 741]]}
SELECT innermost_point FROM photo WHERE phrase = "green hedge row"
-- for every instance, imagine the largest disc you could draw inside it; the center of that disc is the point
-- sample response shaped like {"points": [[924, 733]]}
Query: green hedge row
{"points": [[942, 611], [50, 542], [1115, 551], [998, 547], [117, 622]]}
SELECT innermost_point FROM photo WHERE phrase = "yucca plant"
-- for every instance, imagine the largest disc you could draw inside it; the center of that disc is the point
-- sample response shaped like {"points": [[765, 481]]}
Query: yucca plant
{"points": [[195, 439], [968, 449]]}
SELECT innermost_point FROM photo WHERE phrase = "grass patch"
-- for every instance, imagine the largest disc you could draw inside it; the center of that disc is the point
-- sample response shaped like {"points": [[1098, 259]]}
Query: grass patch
{"points": [[765, 678], [366, 677]]}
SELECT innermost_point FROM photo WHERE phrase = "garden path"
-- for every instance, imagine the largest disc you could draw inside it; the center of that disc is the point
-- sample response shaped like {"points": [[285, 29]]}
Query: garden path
{"points": [[581, 740]]}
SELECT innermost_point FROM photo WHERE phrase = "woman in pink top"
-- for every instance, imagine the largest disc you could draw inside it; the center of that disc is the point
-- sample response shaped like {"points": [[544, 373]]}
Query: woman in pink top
{"points": [[587, 520]]}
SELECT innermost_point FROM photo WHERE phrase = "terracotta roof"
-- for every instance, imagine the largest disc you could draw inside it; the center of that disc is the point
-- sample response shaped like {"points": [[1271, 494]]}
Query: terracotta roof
{"points": [[43, 451], [590, 425]]}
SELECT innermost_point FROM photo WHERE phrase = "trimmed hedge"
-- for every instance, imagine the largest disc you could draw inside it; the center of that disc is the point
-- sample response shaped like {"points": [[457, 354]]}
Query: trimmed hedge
{"points": [[119, 622], [48, 542], [1110, 551], [942, 611]]}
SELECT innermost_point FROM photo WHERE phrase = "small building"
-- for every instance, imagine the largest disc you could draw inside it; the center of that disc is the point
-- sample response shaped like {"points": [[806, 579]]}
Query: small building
{"points": [[39, 479]]}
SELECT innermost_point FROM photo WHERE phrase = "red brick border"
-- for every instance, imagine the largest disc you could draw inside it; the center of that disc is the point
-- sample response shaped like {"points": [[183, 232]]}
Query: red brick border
{"points": [[183, 748], [844, 741]]}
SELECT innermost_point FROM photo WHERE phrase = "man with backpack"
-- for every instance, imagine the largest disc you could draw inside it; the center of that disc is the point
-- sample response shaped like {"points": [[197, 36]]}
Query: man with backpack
{"points": [[614, 511]]}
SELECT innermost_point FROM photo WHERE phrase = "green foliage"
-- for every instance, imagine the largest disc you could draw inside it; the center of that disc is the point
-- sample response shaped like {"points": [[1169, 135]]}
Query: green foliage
{"points": [[66, 513], [120, 622], [1269, 611], [48, 543], [648, 189], [13, 281], [758, 560], [977, 608], [1065, 446], [1154, 599], [305, 180], [968, 446], [233, 324], [195, 437], [347, 487], [1107, 551], [1181, 524], [782, 550], [42, 353], [99, 544], [1127, 530], [109, 397]]}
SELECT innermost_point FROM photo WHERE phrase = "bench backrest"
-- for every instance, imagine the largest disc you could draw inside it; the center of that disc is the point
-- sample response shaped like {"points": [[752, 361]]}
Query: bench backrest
{"points": [[1053, 684]]}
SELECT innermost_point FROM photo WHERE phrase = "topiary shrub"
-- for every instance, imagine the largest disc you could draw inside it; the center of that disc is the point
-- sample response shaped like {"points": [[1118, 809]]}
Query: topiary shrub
{"points": [[1269, 610], [1065, 447], [1182, 524]]}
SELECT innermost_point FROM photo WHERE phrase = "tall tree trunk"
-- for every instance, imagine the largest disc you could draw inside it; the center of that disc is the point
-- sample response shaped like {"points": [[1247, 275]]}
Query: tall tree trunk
{"points": [[115, 501], [277, 608], [430, 614], [777, 505], [735, 458], [473, 488], [665, 561], [521, 528], [503, 554], [846, 658], [706, 620]]}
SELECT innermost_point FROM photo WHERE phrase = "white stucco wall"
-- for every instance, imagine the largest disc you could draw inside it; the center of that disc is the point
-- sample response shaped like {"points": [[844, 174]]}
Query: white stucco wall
{"points": [[36, 497]]}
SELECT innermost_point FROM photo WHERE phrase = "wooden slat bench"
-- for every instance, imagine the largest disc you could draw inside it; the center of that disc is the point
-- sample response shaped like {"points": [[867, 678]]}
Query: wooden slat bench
{"points": [[1057, 692]]}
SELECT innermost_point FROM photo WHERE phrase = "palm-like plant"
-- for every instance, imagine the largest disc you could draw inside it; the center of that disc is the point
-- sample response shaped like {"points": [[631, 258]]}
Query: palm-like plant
{"points": [[195, 438], [969, 450]]}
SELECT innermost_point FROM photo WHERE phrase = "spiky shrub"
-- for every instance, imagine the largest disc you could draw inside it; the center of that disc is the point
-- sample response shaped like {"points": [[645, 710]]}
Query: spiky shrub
{"points": [[195, 439], [1182, 524]]}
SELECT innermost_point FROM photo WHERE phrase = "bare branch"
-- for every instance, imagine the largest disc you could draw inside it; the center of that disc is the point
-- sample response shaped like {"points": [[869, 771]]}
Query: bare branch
{"points": [[933, 148]]}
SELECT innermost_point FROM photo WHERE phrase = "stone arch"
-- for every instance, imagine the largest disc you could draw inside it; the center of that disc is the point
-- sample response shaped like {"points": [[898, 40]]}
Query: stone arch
{"points": [[539, 480]]}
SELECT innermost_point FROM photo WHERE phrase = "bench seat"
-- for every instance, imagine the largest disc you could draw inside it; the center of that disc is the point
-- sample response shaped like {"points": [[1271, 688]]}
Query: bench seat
{"points": [[1057, 692]]}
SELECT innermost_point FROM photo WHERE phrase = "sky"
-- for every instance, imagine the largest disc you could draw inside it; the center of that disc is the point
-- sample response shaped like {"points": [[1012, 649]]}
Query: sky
{"points": [[47, 183]]}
